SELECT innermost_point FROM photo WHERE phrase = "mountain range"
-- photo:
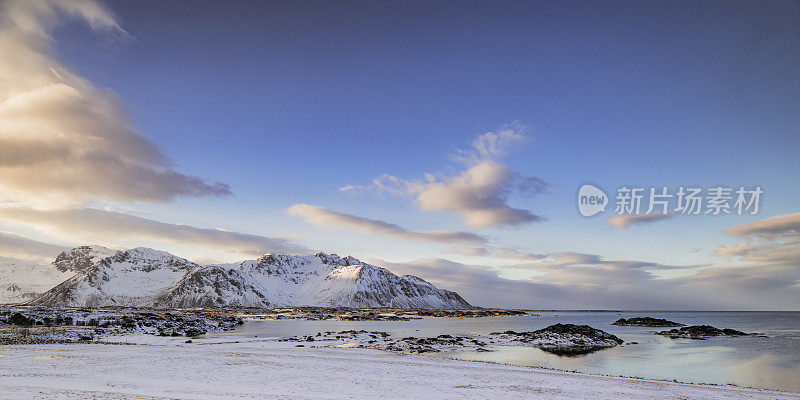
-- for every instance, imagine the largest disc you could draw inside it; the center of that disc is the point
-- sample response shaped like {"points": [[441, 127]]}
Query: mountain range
{"points": [[94, 276]]}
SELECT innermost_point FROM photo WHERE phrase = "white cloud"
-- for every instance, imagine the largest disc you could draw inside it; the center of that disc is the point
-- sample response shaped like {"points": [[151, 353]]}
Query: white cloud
{"points": [[108, 228], [480, 193], [330, 219], [623, 221], [61, 138]]}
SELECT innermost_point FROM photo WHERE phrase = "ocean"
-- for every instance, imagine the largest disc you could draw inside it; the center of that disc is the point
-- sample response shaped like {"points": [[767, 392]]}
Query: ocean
{"points": [[771, 362]]}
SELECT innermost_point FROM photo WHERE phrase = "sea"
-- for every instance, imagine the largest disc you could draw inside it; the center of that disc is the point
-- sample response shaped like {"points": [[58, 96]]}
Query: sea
{"points": [[768, 362]]}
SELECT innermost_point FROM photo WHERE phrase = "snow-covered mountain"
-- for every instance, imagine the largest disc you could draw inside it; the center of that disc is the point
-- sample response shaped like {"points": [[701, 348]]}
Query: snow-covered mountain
{"points": [[134, 277], [147, 277], [21, 281]]}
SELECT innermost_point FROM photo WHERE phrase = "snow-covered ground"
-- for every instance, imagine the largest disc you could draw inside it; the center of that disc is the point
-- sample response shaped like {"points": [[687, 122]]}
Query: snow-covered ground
{"points": [[165, 368]]}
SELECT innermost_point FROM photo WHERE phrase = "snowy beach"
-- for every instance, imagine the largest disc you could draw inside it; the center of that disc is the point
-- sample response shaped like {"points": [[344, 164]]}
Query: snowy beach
{"points": [[150, 367]]}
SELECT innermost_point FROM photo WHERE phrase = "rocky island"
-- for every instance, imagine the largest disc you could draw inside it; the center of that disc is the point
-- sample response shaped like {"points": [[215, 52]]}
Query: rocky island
{"points": [[701, 332], [646, 321], [563, 339]]}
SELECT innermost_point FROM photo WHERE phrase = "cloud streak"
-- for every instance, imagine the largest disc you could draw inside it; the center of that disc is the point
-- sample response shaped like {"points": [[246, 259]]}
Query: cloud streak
{"points": [[777, 225], [21, 247], [623, 221], [329, 219], [98, 226], [61, 138]]}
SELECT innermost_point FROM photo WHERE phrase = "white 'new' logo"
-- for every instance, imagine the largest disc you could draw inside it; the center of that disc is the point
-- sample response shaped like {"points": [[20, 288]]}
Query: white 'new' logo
{"points": [[591, 200]]}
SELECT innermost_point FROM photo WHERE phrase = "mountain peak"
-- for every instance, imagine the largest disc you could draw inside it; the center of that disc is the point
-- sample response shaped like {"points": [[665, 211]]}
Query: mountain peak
{"points": [[81, 258], [334, 259]]}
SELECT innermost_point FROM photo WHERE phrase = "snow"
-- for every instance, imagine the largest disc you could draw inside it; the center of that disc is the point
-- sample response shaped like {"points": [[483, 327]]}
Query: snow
{"points": [[156, 367]]}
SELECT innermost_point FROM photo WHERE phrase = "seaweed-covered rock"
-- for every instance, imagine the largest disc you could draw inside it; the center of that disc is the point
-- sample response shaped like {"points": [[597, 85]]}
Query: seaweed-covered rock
{"points": [[646, 321], [701, 332], [563, 339]]}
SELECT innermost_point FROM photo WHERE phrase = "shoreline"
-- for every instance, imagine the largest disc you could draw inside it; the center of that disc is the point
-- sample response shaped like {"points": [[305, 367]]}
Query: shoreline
{"points": [[249, 368]]}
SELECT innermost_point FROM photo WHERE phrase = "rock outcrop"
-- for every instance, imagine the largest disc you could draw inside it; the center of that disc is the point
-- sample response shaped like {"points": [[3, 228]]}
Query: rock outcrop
{"points": [[646, 321], [700, 332]]}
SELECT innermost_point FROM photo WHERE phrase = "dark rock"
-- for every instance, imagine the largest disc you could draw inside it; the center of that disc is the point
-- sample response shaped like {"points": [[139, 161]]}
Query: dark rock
{"points": [[700, 332], [21, 320], [192, 332], [566, 339], [584, 330], [646, 321]]}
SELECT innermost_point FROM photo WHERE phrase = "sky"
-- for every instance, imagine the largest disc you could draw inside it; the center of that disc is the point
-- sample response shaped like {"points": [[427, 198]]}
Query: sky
{"points": [[442, 139]]}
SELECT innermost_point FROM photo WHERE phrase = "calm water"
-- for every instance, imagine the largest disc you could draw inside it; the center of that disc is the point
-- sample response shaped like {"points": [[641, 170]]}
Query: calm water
{"points": [[771, 363]]}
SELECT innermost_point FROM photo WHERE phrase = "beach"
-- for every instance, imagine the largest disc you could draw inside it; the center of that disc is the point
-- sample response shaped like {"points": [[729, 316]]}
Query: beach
{"points": [[149, 367]]}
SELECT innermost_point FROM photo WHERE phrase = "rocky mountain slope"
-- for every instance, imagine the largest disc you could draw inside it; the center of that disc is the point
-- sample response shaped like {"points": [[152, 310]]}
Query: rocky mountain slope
{"points": [[21, 281], [144, 277]]}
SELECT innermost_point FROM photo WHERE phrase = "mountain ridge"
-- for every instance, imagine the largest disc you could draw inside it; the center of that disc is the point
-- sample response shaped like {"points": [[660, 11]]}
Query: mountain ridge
{"points": [[144, 277]]}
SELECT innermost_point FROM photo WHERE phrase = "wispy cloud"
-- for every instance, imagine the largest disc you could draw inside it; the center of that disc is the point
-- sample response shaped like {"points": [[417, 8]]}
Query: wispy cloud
{"points": [[325, 218], [495, 145], [515, 253], [480, 193], [574, 259], [466, 251], [61, 138], [107, 227], [508, 252], [777, 225], [623, 221]]}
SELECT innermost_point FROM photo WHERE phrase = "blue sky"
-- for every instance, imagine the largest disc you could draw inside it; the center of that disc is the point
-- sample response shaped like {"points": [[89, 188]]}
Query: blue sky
{"points": [[287, 102]]}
